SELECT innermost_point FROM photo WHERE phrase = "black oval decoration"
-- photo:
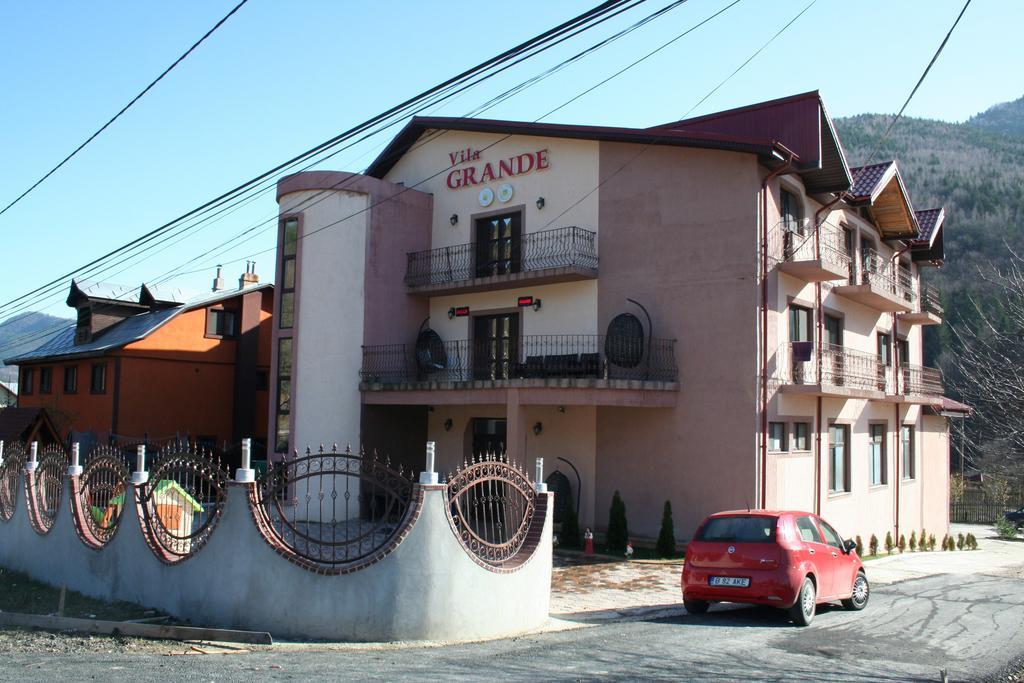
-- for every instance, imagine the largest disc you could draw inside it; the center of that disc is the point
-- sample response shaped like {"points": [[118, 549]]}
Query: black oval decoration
{"points": [[624, 343], [430, 354]]}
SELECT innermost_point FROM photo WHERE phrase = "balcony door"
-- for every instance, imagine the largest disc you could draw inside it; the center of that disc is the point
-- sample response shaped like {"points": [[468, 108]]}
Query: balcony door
{"points": [[498, 244], [488, 436], [495, 346], [834, 347]]}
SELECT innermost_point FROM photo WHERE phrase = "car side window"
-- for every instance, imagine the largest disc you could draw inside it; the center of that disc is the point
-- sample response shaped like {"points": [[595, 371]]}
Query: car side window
{"points": [[808, 530], [831, 537]]}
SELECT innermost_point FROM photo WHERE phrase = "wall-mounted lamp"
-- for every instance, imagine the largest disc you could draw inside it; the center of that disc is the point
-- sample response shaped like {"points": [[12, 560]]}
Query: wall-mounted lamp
{"points": [[537, 428], [528, 302], [454, 220], [448, 425], [451, 312], [540, 203], [561, 409]]}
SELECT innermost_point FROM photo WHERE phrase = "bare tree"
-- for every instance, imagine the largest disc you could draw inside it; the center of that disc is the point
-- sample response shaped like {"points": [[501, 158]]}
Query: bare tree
{"points": [[986, 369]]}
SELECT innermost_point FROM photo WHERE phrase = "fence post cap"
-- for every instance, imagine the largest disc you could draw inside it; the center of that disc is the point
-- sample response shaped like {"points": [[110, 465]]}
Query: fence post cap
{"points": [[245, 475], [428, 478], [140, 478], [75, 470]]}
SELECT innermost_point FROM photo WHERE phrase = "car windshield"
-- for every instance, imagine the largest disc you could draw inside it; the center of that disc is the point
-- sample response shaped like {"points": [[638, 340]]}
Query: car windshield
{"points": [[754, 529]]}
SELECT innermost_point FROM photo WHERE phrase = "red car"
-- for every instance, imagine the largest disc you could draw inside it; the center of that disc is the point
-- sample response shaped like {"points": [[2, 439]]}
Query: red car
{"points": [[791, 560]]}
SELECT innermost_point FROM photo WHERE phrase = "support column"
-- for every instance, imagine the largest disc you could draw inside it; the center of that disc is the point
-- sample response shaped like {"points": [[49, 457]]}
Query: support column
{"points": [[515, 428]]}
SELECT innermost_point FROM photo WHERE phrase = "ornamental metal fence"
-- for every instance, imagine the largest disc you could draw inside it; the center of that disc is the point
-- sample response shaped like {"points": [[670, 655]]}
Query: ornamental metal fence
{"points": [[534, 251], [44, 487], [182, 501], [334, 509], [14, 458], [99, 495], [492, 505]]}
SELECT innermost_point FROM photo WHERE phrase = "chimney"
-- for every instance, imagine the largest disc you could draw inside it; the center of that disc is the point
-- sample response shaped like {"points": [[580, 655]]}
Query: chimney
{"points": [[218, 282], [249, 277]]}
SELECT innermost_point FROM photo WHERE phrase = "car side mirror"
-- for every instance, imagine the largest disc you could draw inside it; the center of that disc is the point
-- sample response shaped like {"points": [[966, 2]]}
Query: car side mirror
{"points": [[849, 546]]}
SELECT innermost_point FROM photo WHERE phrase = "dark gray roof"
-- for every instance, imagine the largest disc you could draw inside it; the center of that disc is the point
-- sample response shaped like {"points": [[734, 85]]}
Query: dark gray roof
{"points": [[930, 221], [62, 344], [867, 178]]}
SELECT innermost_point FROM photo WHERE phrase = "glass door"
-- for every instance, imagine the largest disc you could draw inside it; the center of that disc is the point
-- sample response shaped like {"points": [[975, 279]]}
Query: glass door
{"points": [[498, 244], [495, 346]]}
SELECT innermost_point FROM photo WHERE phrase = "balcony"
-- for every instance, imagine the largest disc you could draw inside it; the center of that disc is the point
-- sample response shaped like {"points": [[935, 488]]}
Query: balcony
{"points": [[834, 371], [543, 257], [928, 310], [918, 384], [882, 285], [809, 254], [562, 361]]}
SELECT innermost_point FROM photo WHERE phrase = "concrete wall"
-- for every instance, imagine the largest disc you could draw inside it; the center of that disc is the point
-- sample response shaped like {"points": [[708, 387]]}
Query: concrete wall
{"points": [[678, 234], [427, 589]]}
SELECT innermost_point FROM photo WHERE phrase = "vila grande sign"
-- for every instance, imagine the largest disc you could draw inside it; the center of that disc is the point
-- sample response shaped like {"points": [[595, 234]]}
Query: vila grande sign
{"points": [[468, 176]]}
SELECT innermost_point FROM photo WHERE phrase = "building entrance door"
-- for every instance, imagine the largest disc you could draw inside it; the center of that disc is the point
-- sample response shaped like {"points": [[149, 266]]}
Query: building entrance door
{"points": [[495, 346], [488, 436]]}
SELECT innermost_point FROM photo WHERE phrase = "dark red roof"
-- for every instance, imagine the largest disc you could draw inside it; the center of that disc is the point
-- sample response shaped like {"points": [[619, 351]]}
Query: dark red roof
{"points": [[866, 179], [930, 221], [18, 424], [768, 129], [948, 405]]}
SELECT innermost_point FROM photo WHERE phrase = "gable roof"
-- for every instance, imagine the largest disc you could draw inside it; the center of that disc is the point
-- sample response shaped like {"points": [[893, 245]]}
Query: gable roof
{"points": [[928, 248], [769, 129], [880, 188], [132, 329], [154, 294], [27, 424], [800, 122], [103, 291]]}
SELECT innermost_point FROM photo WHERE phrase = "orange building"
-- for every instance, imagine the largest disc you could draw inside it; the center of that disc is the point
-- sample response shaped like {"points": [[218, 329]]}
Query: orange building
{"points": [[153, 362]]}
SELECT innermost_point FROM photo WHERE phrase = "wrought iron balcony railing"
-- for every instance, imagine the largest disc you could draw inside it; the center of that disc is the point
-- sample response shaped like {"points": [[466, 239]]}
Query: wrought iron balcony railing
{"points": [[882, 275], [792, 241], [560, 356], [534, 251], [833, 365], [931, 302], [920, 381]]}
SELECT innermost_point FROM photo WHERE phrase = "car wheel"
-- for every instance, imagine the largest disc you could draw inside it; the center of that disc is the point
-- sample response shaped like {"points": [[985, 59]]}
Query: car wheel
{"points": [[695, 606], [802, 611], [861, 592]]}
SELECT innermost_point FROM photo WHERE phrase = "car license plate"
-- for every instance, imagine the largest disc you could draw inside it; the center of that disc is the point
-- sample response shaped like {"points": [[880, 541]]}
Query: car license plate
{"points": [[729, 581]]}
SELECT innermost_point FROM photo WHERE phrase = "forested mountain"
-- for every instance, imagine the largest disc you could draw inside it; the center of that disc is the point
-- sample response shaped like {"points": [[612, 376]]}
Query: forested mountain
{"points": [[976, 171], [23, 333]]}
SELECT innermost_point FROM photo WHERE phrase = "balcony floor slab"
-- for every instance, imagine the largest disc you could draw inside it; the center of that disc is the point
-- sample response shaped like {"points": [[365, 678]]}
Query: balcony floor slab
{"points": [[593, 392], [921, 318], [816, 270], [874, 297], [543, 276], [832, 391]]}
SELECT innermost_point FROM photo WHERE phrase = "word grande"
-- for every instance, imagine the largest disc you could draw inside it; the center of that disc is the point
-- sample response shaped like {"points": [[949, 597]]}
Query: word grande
{"points": [[520, 164]]}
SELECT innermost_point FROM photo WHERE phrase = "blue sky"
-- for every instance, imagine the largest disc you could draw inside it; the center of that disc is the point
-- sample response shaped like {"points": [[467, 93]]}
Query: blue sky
{"points": [[280, 77]]}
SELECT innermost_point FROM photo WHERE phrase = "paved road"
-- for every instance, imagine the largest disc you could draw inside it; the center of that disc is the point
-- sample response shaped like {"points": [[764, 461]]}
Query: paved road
{"points": [[971, 625]]}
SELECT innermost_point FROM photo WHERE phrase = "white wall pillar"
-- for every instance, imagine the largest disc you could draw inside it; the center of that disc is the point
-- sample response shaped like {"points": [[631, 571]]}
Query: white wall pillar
{"points": [[140, 476], [245, 474]]}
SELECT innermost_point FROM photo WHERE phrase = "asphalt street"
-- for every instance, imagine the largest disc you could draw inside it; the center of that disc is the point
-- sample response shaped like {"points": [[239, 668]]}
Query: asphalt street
{"points": [[970, 625]]}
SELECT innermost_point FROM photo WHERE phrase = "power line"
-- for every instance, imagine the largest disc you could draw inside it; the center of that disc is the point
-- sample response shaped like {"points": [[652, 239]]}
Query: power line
{"points": [[581, 20], [920, 80], [125, 108]]}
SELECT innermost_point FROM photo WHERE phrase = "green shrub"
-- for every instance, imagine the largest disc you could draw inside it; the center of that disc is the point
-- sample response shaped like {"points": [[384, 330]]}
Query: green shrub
{"points": [[569, 536], [960, 542], [902, 545], [666, 545], [913, 541], [618, 531], [945, 542], [860, 546], [889, 545], [931, 542], [923, 543], [1006, 530], [873, 544], [971, 542]]}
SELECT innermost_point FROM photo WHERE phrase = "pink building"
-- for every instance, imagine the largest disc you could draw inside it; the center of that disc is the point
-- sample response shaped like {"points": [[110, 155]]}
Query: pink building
{"points": [[717, 312]]}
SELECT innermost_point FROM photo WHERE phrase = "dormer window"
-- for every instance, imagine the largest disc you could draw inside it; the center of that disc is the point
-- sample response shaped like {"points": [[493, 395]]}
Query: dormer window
{"points": [[83, 329], [220, 323]]}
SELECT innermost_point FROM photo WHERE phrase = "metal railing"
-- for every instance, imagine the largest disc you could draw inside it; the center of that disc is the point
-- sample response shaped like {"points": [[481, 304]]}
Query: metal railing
{"points": [[559, 356], [791, 241], [556, 248], [931, 302], [921, 381], [881, 274], [833, 365], [99, 495], [14, 457], [44, 488]]}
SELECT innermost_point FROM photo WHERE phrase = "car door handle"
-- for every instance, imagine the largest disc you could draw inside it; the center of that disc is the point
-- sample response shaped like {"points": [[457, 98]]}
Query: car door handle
{"points": [[835, 554], [810, 550]]}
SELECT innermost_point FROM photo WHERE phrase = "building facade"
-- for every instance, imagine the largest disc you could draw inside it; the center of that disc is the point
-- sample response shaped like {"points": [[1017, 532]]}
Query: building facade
{"points": [[155, 363], [718, 312]]}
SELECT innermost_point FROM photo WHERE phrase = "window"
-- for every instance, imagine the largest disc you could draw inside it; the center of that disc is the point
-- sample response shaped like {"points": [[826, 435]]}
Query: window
{"points": [[45, 380], [839, 458], [284, 394], [831, 537], [289, 249], [776, 436], [834, 330], [98, 379], [877, 448], [801, 436], [753, 529], [220, 323], [885, 348], [71, 379], [808, 530], [903, 351], [799, 323], [495, 346], [907, 450], [790, 211], [498, 244], [26, 375]]}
